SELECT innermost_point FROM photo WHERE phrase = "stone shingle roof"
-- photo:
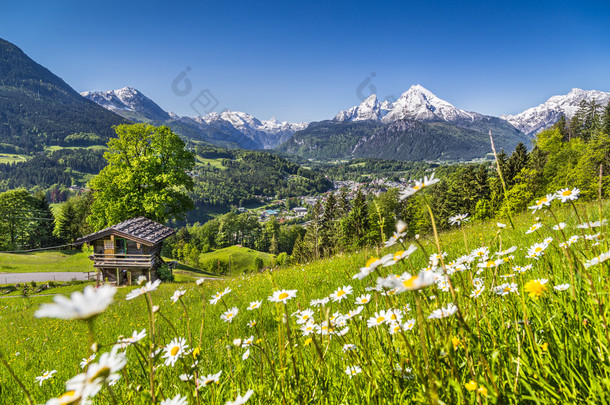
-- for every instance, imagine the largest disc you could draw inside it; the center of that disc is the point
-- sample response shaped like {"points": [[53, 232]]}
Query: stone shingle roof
{"points": [[138, 229]]}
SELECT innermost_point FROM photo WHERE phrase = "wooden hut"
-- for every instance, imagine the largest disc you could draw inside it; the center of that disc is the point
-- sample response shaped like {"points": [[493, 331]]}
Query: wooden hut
{"points": [[127, 250]]}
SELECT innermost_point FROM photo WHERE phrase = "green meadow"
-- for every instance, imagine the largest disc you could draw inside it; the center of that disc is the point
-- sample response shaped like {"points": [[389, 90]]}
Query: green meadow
{"points": [[526, 342]]}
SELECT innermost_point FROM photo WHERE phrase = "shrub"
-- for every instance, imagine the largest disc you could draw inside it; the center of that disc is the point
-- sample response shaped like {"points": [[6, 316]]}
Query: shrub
{"points": [[165, 274]]}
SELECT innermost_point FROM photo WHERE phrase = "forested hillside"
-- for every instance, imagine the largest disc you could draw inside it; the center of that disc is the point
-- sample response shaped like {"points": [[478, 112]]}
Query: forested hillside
{"points": [[37, 108]]}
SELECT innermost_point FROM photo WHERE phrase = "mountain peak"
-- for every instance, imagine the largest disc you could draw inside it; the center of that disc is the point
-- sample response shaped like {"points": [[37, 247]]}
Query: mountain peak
{"points": [[128, 102], [537, 119]]}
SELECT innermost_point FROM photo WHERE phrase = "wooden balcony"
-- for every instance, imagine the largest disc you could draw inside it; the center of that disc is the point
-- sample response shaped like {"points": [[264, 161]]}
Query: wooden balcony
{"points": [[123, 260]]}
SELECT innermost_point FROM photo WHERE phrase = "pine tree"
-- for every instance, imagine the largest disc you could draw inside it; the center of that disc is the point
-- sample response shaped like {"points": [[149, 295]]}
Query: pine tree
{"points": [[66, 223], [312, 237], [562, 125], [328, 234], [482, 182], [356, 224], [298, 255], [606, 120], [41, 231], [516, 162], [343, 203]]}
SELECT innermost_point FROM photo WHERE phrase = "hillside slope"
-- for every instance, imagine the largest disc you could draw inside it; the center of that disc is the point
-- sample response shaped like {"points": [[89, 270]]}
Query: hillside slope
{"points": [[37, 108]]}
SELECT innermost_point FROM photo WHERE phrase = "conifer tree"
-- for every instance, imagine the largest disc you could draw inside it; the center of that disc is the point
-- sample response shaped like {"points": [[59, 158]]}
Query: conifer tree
{"points": [[312, 237], [328, 234], [41, 230], [516, 162], [606, 120]]}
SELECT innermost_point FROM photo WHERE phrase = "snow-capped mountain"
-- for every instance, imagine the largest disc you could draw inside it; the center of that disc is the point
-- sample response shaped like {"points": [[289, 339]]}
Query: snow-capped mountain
{"points": [[128, 102], [369, 109], [268, 134], [417, 103], [536, 119], [229, 128]]}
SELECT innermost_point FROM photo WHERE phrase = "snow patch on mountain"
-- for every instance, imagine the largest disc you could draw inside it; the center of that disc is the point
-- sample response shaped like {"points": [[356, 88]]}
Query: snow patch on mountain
{"points": [[128, 102], [537, 119], [417, 103]]}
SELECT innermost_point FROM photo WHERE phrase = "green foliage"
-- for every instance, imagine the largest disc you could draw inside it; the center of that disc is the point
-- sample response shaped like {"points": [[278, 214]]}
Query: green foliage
{"points": [[246, 176], [26, 221], [165, 274], [234, 260], [147, 175], [83, 139]]}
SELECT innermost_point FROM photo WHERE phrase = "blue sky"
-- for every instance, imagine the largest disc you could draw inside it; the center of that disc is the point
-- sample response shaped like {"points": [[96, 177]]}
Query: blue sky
{"points": [[303, 61]]}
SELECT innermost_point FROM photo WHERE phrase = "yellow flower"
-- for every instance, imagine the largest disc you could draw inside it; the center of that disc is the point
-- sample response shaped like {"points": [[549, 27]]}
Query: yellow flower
{"points": [[471, 386], [307, 342], [196, 353], [535, 288], [482, 390], [456, 342], [544, 347]]}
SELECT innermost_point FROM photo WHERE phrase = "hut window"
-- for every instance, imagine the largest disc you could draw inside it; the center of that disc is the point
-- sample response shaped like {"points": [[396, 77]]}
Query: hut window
{"points": [[108, 244]]}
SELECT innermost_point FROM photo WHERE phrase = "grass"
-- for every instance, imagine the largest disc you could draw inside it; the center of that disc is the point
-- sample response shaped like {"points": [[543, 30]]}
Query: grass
{"points": [[12, 158], [238, 258], [217, 163], [51, 288], [57, 147], [511, 347], [51, 261]]}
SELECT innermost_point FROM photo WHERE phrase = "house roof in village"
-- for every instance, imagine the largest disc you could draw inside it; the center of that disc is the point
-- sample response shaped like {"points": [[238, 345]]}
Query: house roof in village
{"points": [[139, 229]]}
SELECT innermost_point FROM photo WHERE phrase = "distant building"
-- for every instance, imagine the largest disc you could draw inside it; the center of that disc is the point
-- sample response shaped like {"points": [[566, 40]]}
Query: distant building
{"points": [[300, 211]]}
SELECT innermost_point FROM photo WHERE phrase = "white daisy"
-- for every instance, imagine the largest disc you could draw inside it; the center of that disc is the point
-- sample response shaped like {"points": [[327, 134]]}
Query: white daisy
{"points": [[534, 228], [567, 194], [45, 376], [458, 219], [177, 400], [177, 295], [352, 371], [86, 305], [134, 338], [148, 287], [419, 185], [341, 293], [254, 305], [562, 287], [363, 299], [445, 312], [241, 400], [229, 314], [174, 351], [282, 296], [209, 379], [85, 362]]}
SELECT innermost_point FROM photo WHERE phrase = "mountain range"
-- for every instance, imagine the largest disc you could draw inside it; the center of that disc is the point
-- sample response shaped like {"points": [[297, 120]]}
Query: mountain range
{"points": [[229, 128], [38, 109]]}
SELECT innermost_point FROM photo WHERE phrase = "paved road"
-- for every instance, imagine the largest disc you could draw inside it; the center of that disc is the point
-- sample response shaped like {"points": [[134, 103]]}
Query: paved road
{"points": [[14, 278]]}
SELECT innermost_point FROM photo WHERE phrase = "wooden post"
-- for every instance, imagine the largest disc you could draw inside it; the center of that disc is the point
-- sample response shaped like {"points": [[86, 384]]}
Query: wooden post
{"points": [[129, 277], [117, 277]]}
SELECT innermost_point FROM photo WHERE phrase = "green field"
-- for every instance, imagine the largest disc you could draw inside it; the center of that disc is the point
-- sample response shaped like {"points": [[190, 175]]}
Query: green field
{"points": [[217, 163], [64, 260], [57, 147], [521, 344], [12, 158], [239, 259]]}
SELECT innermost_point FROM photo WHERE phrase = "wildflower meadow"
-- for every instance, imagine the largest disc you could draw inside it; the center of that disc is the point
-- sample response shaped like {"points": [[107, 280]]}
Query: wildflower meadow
{"points": [[490, 312]]}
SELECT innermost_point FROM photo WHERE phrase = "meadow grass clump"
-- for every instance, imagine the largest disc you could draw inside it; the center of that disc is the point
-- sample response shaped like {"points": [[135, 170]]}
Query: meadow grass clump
{"points": [[483, 314]]}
